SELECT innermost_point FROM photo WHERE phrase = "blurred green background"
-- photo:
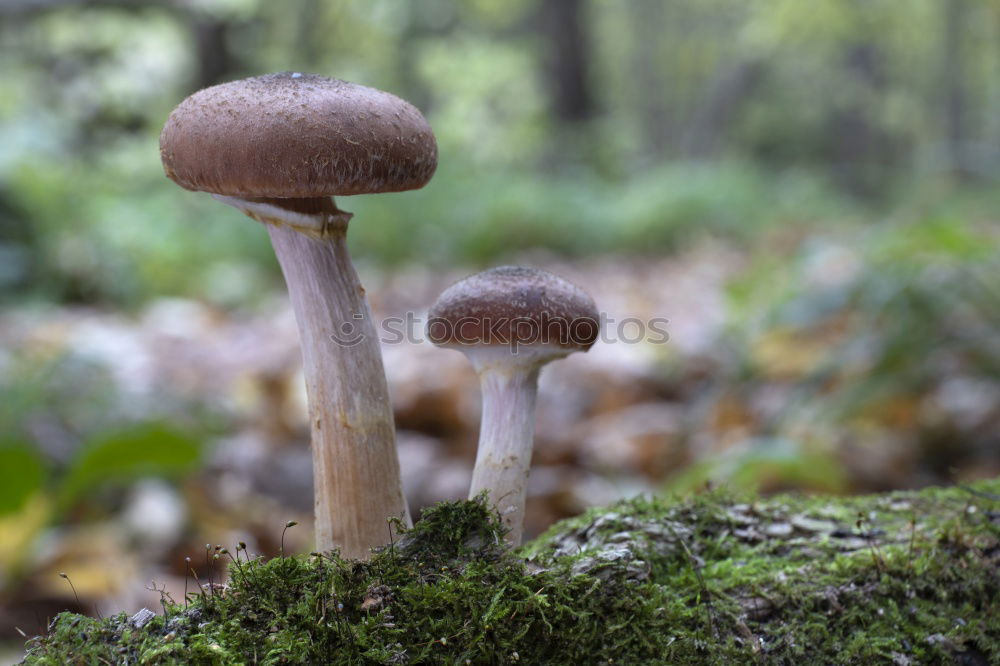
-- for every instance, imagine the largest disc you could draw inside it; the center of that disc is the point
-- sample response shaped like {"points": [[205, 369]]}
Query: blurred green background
{"points": [[840, 157], [581, 127]]}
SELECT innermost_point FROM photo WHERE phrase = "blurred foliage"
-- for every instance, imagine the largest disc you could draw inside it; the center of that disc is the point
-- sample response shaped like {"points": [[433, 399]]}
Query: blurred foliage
{"points": [[21, 475], [769, 463], [881, 307], [147, 449], [71, 441], [860, 337], [34, 498], [664, 121]]}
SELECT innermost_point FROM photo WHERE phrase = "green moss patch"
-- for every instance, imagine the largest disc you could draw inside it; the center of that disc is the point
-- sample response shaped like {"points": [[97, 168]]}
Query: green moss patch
{"points": [[905, 578]]}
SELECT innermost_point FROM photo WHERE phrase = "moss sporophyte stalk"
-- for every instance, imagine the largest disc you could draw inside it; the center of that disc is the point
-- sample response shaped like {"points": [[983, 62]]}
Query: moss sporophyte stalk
{"points": [[711, 579]]}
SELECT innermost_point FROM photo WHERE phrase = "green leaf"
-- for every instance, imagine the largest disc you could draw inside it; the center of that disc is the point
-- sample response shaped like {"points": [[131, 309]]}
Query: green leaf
{"points": [[22, 473], [148, 449]]}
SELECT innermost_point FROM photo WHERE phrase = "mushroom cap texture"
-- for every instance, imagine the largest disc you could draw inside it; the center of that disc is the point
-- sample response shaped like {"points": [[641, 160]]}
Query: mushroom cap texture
{"points": [[292, 135], [512, 305]]}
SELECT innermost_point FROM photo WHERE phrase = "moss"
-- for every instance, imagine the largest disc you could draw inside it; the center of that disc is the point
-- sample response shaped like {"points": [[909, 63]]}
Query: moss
{"points": [[903, 578]]}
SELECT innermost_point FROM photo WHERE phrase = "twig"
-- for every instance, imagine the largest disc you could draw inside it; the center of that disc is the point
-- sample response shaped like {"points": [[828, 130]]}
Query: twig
{"points": [[164, 596]]}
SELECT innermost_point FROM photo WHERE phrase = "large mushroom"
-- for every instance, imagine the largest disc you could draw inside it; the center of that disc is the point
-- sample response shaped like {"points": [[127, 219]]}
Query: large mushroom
{"points": [[509, 322], [278, 148]]}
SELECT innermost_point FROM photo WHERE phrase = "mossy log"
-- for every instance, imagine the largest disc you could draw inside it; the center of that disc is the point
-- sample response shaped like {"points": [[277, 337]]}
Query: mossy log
{"points": [[902, 578]]}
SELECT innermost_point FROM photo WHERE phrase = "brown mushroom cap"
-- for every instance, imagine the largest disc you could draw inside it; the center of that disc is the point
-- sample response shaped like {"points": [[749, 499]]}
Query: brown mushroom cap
{"points": [[514, 306], [291, 135]]}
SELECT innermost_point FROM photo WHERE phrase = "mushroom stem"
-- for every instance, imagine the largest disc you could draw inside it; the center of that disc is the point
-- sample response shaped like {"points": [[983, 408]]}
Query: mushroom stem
{"points": [[355, 464], [506, 437]]}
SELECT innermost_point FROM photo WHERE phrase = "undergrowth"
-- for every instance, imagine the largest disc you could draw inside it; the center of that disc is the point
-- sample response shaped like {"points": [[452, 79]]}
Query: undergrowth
{"points": [[905, 578]]}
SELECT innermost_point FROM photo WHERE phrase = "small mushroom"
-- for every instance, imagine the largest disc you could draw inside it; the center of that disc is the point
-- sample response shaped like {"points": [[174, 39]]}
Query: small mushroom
{"points": [[278, 148], [509, 322]]}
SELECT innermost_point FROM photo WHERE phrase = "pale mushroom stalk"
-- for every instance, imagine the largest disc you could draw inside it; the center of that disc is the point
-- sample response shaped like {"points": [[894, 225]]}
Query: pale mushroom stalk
{"points": [[278, 147], [506, 437], [355, 464]]}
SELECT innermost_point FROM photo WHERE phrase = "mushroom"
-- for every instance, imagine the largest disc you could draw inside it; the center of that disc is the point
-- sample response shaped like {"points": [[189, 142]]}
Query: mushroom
{"points": [[509, 322], [278, 147]]}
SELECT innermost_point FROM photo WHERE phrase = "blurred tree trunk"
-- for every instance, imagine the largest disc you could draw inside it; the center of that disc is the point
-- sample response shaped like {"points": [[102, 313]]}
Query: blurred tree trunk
{"points": [[567, 59], [953, 85], [310, 22], [416, 29], [858, 149], [565, 62], [215, 62], [731, 86], [649, 24]]}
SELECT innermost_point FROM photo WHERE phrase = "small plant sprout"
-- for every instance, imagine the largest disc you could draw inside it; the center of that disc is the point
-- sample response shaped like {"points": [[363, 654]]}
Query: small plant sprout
{"points": [[290, 523], [509, 322], [242, 546], [194, 574], [208, 564], [65, 577], [278, 148]]}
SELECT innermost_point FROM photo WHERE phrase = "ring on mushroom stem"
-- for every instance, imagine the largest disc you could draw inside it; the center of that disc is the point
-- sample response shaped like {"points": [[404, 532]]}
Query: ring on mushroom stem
{"points": [[279, 147], [509, 322]]}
